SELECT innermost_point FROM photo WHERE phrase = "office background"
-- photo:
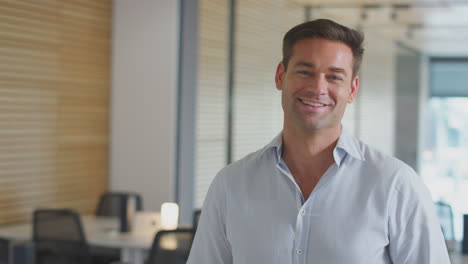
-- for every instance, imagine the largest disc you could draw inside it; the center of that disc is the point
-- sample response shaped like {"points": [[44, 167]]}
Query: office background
{"points": [[156, 96]]}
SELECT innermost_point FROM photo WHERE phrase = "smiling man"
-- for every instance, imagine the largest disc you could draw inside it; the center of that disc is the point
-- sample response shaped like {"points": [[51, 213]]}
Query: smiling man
{"points": [[316, 194]]}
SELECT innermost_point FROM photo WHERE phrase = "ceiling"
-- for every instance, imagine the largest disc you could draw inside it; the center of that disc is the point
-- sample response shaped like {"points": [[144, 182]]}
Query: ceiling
{"points": [[434, 27]]}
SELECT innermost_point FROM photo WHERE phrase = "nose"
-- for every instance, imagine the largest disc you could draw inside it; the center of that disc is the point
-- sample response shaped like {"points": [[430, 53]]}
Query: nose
{"points": [[318, 85]]}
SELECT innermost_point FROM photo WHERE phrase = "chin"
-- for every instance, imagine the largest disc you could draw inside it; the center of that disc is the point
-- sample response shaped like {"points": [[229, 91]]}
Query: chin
{"points": [[311, 127], [317, 126]]}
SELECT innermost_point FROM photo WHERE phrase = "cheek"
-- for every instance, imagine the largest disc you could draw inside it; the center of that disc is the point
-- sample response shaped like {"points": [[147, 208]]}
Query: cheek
{"points": [[339, 98], [289, 89], [343, 93], [284, 98]]}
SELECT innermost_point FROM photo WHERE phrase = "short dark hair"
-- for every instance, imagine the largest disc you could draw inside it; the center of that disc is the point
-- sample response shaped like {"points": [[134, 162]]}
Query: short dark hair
{"points": [[326, 29]]}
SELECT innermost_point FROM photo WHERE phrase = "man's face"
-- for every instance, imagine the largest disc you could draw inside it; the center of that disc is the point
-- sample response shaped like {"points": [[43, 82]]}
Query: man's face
{"points": [[317, 85]]}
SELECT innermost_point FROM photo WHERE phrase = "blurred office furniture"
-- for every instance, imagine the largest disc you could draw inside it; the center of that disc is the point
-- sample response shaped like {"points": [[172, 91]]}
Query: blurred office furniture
{"points": [[171, 246], [22, 252], [196, 219], [110, 203], [59, 237], [146, 222], [4, 251], [122, 205], [445, 214], [100, 232], [12, 252], [465, 235]]}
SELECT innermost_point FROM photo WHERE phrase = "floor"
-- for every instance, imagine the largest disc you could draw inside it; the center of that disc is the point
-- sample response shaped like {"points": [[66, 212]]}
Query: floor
{"points": [[458, 258]]}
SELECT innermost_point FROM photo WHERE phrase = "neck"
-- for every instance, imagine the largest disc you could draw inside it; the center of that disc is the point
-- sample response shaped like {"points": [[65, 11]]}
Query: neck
{"points": [[309, 154], [306, 145]]}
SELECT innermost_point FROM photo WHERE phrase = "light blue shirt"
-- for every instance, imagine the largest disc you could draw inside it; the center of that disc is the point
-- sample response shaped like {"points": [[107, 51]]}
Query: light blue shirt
{"points": [[367, 208]]}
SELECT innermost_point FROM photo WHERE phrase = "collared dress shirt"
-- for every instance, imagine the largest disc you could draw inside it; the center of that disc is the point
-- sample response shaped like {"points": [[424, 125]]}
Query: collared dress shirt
{"points": [[367, 208]]}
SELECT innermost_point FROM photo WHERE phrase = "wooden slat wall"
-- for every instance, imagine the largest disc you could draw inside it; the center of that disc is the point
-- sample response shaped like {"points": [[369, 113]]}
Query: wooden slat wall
{"points": [[54, 105]]}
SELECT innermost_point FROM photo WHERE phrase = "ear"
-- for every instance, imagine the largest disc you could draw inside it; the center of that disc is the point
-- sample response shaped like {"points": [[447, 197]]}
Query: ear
{"points": [[279, 76], [354, 89]]}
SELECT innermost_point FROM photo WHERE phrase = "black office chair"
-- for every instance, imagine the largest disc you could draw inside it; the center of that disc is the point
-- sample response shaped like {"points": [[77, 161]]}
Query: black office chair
{"points": [[445, 214], [110, 203], [59, 237], [4, 251], [196, 219], [115, 204], [171, 246]]}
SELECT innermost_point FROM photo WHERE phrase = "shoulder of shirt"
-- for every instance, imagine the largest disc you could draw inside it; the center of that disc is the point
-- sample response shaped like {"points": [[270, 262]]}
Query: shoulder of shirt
{"points": [[397, 176], [254, 159], [245, 166], [388, 165], [244, 163]]}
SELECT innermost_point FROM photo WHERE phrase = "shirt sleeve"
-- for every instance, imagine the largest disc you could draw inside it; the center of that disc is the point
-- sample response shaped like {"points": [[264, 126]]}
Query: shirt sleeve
{"points": [[414, 230], [210, 245]]}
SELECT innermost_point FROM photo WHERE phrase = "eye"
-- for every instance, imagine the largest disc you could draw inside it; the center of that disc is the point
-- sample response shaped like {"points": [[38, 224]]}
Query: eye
{"points": [[335, 78], [304, 73]]}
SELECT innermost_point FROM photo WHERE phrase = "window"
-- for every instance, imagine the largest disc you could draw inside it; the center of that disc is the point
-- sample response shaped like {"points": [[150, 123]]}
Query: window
{"points": [[445, 146]]}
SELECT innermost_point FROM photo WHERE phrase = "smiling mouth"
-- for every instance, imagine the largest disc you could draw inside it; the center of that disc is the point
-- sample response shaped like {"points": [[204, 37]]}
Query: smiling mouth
{"points": [[312, 103]]}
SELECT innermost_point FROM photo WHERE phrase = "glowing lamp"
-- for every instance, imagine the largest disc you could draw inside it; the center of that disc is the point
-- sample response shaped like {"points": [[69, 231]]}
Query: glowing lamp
{"points": [[169, 216]]}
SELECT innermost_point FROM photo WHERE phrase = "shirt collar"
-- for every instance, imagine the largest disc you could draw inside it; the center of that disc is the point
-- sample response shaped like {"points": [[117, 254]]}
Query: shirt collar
{"points": [[347, 144], [276, 145]]}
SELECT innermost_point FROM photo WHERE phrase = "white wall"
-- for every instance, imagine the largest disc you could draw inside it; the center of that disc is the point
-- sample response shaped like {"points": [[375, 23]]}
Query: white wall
{"points": [[372, 116], [143, 100], [377, 93]]}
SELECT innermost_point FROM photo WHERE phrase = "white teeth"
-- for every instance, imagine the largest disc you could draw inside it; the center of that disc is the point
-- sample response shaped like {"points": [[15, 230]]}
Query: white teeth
{"points": [[311, 103]]}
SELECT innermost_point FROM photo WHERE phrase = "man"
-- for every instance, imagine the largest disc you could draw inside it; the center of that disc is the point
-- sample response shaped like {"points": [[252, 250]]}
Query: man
{"points": [[316, 194]]}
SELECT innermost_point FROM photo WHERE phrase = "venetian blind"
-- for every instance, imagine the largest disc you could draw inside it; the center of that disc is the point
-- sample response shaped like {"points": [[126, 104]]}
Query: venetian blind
{"points": [[257, 113], [258, 116], [54, 105], [211, 95]]}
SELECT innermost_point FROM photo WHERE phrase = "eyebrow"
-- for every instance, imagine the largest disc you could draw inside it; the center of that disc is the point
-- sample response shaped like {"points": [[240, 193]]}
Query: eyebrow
{"points": [[304, 64], [311, 65], [337, 70]]}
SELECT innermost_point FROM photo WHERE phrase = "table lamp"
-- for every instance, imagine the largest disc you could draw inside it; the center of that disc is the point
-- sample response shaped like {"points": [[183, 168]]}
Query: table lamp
{"points": [[169, 216]]}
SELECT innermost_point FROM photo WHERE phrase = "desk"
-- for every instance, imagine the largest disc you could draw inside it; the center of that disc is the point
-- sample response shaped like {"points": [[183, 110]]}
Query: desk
{"points": [[101, 232]]}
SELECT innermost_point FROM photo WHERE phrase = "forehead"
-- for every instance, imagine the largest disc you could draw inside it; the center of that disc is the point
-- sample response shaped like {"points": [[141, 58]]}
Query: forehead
{"points": [[319, 51]]}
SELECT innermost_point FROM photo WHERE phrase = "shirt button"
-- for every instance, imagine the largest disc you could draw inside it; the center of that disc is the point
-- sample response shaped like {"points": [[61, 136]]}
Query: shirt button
{"points": [[299, 251], [303, 212]]}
